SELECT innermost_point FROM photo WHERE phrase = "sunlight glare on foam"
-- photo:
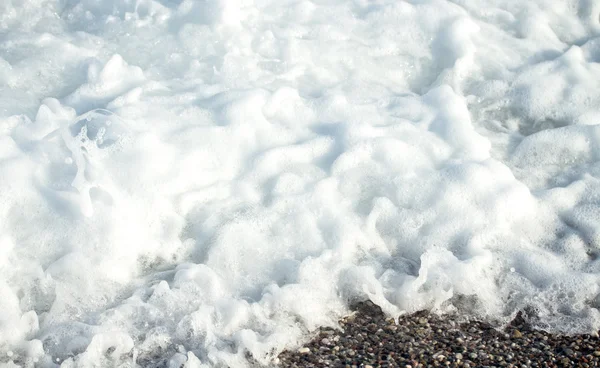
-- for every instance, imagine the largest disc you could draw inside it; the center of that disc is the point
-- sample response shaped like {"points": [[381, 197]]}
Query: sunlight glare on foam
{"points": [[191, 181]]}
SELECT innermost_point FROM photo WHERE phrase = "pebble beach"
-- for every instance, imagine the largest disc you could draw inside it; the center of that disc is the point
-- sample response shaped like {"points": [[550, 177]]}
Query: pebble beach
{"points": [[368, 339], [206, 183]]}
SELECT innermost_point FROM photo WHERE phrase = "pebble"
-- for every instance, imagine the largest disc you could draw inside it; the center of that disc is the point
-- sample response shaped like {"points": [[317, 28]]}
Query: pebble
{"points": [[439, 355], [368, 339]]}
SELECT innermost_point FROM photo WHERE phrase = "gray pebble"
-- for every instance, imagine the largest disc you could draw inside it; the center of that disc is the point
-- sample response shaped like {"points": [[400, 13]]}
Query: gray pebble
{"points": [[427, 340]]}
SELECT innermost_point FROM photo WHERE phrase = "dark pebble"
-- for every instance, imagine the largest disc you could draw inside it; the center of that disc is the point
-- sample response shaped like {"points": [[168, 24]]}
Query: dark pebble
{"points": [[427, 340]]}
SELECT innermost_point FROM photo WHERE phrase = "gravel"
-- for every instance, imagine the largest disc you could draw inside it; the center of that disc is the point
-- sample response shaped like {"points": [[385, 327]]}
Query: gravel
{"points": [[368, 339]]}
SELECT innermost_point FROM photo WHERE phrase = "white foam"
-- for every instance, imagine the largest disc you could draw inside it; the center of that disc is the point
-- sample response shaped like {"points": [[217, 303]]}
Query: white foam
{"points": [[196, 182]]}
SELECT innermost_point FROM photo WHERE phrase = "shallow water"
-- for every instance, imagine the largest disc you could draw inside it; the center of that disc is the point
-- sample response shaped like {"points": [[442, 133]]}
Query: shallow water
{"points": [[200, 180]]}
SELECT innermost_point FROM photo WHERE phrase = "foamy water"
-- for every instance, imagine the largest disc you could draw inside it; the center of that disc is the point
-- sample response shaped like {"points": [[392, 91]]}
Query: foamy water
{"points": [[203, 181]]}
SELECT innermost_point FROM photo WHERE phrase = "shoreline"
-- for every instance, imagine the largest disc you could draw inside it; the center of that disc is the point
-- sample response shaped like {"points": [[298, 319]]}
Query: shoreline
{"points": [[368, 339]]}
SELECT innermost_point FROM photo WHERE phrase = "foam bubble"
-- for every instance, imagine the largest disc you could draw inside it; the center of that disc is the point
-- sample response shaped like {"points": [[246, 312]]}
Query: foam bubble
{"points": [[194, 182]]}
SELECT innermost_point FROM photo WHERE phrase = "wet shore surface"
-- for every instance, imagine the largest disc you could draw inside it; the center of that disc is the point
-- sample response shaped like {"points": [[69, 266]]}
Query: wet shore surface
{"points": [[368, 339]]}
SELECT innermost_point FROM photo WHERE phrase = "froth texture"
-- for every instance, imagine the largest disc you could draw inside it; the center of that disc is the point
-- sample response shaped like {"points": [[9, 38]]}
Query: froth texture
{"points": [[203, 183]]}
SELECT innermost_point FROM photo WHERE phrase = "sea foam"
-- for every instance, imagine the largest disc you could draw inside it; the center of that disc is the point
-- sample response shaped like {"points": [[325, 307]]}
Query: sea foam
{"points": [[205, 183]]}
